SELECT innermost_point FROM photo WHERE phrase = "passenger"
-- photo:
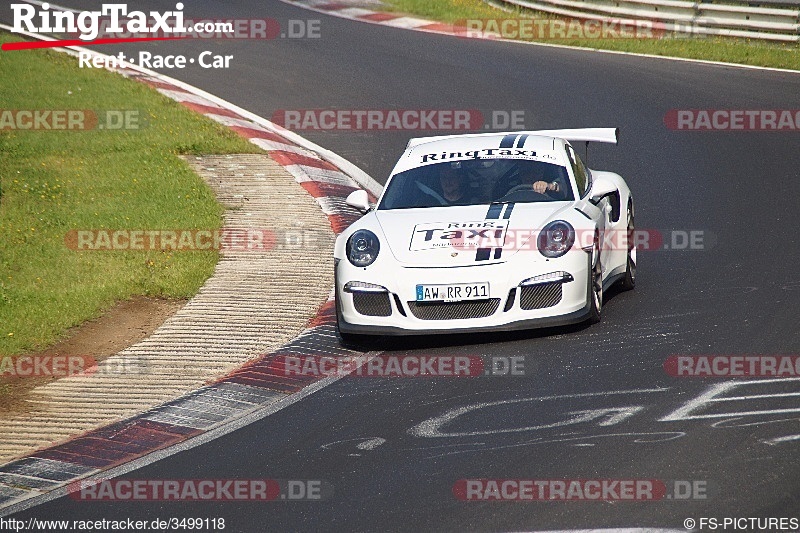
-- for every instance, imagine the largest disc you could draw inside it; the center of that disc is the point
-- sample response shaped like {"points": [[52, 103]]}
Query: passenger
{"points": [[454, 184]]}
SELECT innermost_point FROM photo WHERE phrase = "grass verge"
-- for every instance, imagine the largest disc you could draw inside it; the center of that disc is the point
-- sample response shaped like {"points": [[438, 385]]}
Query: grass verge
{"points": [[52, 182], [729, 50]]}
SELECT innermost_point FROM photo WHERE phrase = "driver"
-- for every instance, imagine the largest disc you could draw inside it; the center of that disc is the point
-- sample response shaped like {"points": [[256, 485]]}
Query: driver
{"points": [[523, 178], [551, 189], [544, 187]]}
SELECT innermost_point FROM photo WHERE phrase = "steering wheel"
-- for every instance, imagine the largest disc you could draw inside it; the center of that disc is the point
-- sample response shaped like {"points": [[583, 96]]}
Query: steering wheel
{"points": [[528, 189], [522, 187]]}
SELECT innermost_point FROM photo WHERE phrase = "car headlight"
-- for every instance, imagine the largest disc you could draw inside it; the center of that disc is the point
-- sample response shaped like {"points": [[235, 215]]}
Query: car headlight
{"points": [[362, 248], [556, 238]]}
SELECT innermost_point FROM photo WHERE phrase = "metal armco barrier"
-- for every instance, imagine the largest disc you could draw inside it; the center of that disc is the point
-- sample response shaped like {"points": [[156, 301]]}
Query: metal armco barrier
{"points": [[773, 20]]}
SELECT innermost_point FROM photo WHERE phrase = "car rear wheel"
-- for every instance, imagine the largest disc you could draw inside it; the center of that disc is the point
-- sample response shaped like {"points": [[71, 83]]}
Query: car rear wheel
{"points": [[629, 281]]}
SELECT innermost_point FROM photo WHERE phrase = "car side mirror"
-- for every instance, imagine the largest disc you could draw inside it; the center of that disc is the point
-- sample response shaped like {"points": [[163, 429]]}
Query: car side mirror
{"points": [[359, 199], [601, 187]]}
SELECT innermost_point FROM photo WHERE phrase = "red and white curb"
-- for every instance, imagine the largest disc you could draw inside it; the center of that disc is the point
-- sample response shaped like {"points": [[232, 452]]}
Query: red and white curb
{"points": [[249, 393], [347, 10]]}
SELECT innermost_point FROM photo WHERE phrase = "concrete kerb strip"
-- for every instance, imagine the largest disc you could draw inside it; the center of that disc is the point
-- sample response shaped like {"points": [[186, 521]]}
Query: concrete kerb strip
{"points": [[353, 10], [246, 394]]}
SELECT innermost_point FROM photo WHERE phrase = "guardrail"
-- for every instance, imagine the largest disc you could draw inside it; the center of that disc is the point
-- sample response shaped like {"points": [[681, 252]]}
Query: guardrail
{"points": [[682, 17]]}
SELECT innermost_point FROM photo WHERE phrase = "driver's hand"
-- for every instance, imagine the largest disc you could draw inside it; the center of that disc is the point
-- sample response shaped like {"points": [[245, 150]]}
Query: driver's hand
{"points": [[540, 187]]}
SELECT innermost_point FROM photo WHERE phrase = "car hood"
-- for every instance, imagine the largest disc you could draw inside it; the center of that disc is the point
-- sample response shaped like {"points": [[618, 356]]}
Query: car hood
{"points": [[464, 235]]}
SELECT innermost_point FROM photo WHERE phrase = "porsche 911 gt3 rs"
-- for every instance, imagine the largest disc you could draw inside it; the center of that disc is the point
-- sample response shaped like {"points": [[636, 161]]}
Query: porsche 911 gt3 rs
{"points": [[478, 232]]}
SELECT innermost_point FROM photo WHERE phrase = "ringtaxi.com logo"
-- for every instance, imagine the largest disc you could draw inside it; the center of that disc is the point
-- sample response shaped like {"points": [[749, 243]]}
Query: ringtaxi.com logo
{"points": [[244, 29], [45, 20], [115, 21], [71, 119]]}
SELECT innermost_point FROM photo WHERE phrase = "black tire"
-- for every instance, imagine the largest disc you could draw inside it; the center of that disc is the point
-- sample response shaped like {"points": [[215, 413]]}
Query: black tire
{"points": [[629, 280], [596, 286]]}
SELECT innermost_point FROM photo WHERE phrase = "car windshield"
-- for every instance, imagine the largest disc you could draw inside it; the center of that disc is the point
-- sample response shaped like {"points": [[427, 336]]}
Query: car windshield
{"points": [[476, 182]]}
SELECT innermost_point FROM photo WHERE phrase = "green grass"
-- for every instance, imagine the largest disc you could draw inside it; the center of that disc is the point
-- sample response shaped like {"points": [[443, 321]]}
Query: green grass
{"points": [[56, 181], [729, 50]]}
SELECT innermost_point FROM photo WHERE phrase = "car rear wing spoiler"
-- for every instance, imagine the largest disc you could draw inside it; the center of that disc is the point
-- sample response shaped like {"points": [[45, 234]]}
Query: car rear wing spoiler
{"points": [[587, 135], [596, 135]]}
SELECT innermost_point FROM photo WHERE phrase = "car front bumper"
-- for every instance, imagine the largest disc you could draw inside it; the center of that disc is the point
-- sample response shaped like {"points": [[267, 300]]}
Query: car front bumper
{"points": [[509, 306]]}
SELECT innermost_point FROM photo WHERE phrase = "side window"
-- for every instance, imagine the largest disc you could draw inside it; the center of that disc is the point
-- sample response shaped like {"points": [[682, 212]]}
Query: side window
{"points": [[582, 177], [586, 172]]}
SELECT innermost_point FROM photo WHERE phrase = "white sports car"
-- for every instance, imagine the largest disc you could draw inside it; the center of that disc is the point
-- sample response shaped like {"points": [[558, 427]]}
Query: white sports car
{"points": [[478, 232]]}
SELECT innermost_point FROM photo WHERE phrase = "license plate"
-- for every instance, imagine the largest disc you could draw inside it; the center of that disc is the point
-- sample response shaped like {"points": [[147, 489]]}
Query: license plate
{"points": [[452, 292]]}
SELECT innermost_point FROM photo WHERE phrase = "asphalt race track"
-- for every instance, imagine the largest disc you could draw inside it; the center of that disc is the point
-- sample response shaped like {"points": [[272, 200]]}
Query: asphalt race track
{"points": [[594, 402]]}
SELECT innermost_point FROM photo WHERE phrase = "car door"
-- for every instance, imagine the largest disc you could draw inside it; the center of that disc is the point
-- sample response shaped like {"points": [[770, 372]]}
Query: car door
{"points": [[600, 213]]}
